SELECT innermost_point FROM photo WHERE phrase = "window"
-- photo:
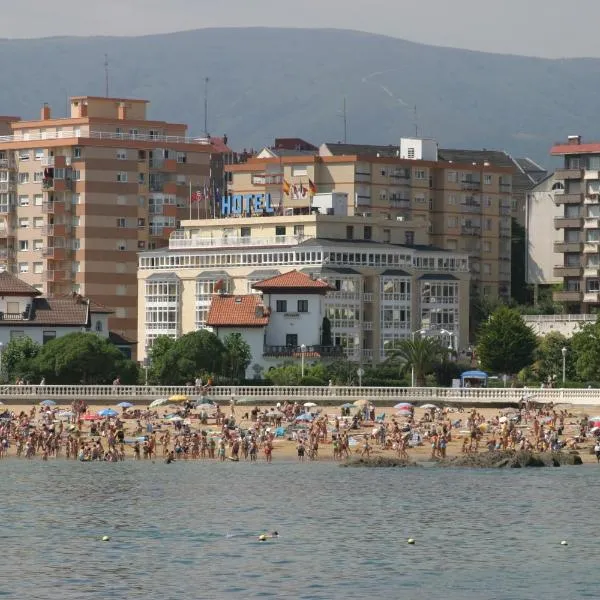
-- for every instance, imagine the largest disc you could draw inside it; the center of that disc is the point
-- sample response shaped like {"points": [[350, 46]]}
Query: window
{"points": [[76, 199], [299, 230], [38, 267], [487, 180], [291, 340], [452, 199], [487, 268], [38, 154], [38, 222], [488, 201], [23, 267], [141, 245], [245, 231], [387, 236], [141, 178], [302, 306], [76, 221], [181, 157], [15, 335], [349, 232], [76, 244], [23, 177], [121, 222], [452, 176], [420, 174], [59, 173], [23, 154], [121, 290], [411, 153], [37, 244], [281, 306], [76, 266], [23, 245], [38, 199], [122, 177], [409, 238], [452, 221], [121, 245], [48, 336], [141, 222], [141, 201], [368, 233], [299, 171], [487, 246], [488, 224], [75, 174], [121, 154], [23, 200], [280, 230], [120, 312], [38, 176], [76, 152], [98, 327], [23, 223]]}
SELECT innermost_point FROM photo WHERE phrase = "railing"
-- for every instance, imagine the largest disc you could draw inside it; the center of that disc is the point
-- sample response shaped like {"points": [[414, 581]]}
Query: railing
{"points": [[178, 243], [343, 296], [299, 351], [267, 394], [470, 185], [102, 135], [470, 229], [368, 296], [559, 318]]}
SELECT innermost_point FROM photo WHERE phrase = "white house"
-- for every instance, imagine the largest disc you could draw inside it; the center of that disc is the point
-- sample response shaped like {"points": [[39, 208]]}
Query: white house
{"points": [[24, 312], [284, 322]]}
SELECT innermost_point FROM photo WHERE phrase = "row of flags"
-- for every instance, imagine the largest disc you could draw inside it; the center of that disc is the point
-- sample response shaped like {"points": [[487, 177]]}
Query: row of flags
{"points": [[300, 191]]}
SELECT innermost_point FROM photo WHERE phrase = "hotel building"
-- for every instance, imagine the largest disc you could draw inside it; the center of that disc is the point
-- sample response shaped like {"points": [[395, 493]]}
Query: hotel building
{"points": [[387, 281], [80, 196]]}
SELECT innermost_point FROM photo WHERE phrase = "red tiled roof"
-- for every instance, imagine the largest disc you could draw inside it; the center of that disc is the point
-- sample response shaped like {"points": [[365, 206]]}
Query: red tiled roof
{"points": [[219, 146], [13, 286], [237, 311], [293, 280], [574, 149]]}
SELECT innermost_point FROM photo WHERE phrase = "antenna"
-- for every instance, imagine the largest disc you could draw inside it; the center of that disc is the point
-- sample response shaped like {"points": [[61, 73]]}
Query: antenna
{"points": [[206, 106], [416, 123], [345, 116], [106, 73]]}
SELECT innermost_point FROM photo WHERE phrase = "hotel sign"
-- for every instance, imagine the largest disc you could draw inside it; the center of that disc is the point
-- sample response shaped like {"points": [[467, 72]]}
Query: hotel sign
{"points": [[247, 204]]}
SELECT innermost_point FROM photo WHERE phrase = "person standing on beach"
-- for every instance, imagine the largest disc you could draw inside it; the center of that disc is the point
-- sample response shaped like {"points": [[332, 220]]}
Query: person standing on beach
{"points": [[597, 451]]}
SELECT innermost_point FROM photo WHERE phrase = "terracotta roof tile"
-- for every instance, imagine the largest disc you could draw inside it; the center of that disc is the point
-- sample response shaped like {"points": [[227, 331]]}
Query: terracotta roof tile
{"points": [[59, 311], [237, 311], [293, 280], [13, 286]]}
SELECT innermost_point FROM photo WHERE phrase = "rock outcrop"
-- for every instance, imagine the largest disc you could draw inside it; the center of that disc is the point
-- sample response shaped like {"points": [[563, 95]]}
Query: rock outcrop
{"points": [[377, 461], [512, 459]]}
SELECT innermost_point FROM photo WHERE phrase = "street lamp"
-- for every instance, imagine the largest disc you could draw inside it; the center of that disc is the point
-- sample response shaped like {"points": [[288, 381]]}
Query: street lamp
{"points": [[1, 349], [564, 355], [302, 350], [412, 371], [453, 339], [360, 374]]}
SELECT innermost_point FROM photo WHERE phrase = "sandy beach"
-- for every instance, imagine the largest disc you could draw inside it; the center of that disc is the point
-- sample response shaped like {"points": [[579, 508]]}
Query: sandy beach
{"points": [[490, 421]]}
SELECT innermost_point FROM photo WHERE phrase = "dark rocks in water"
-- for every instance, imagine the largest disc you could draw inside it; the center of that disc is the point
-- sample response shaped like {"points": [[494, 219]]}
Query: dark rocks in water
{"points": [[512, 459], [377, 461]]}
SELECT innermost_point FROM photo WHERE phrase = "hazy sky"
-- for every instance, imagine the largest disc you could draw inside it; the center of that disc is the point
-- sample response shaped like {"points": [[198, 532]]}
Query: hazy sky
{"points": [[551, 28]]}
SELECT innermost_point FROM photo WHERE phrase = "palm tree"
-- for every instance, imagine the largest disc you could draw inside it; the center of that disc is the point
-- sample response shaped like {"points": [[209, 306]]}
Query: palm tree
{"points": [[420, 355]]}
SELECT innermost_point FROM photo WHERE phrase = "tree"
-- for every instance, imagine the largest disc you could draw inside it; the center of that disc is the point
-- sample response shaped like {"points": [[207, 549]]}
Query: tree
{"points": [[505, 343], [18, 359], [419, 354], [342, 372], [521, 292], [549, 358], [158, 359], [585, 345], [237, 356], [326, 338], [84, 358], [288, 373]]}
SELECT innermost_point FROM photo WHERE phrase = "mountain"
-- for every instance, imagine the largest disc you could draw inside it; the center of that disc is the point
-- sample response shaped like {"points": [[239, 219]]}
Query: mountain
{"points": [[291, 82]]}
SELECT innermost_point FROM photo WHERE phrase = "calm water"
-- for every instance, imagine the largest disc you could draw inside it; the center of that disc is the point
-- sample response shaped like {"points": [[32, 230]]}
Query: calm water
{"points": [[187, 531]]}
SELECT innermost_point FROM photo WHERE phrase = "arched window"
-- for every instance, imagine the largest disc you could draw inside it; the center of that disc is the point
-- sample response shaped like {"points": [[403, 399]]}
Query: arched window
{"points": [[99, 326]]}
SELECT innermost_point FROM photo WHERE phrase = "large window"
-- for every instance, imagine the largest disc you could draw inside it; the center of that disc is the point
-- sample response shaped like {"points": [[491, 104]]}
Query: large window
{"points": [[162, 298], [395, 289]]}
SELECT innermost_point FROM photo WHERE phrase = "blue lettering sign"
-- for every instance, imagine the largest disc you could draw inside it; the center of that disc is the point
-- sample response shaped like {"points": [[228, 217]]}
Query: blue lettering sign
{"points": [[249, 204]]}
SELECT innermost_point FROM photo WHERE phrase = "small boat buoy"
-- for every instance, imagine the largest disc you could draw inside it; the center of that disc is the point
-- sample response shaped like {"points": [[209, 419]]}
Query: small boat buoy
{"points": [[262, 538], [410, 541], [564, 543], [105, 538]]}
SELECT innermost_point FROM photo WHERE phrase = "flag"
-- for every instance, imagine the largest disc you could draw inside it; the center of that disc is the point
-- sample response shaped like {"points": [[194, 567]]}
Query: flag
{"points": [[197, 197], [303, 191], [312, 187], [286, 188]]}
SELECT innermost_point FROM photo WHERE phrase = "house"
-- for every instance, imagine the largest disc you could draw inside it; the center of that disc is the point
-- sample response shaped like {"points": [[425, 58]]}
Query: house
{"points": [[283, 321]]}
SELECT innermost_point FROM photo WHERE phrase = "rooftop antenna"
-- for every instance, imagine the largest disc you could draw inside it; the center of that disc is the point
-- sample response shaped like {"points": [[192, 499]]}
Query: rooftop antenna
{"points": [[106, 73], [416, 123], [206, 106], [344, 116]]}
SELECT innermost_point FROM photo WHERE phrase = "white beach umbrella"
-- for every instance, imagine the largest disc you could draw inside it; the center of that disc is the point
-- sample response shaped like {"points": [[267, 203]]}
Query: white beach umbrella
{"points": [[159, 402], [309, 404]]}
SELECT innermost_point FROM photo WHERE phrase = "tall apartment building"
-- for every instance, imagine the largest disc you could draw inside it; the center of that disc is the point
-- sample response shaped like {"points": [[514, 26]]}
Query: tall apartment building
{"points": [[383, 289], [577, 194], [81, 196], [464, 205]]}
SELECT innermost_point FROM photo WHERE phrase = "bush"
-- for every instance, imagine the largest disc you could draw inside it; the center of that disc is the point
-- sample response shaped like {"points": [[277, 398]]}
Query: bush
{"points": [[309, 380]]}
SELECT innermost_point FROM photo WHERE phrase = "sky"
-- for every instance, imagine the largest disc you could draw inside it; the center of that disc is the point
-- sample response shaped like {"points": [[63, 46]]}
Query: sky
{"points": [[547, 28]]}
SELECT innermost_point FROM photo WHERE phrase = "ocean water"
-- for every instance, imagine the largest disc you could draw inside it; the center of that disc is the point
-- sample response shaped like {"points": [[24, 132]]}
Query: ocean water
{"points": [[190, 530]]}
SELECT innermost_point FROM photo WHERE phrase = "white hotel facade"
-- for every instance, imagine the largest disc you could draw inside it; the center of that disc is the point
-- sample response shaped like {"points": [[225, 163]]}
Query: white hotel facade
{"points": [[387, 282]]}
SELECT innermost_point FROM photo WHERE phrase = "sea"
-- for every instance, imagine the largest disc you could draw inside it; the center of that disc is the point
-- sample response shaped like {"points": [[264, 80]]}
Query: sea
{"points": [[190, 530]]}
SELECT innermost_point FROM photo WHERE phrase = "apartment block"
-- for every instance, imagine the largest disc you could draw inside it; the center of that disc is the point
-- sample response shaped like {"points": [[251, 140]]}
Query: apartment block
{"points": [[465, 205], [384, 289], [80, 196], [577, 194]]}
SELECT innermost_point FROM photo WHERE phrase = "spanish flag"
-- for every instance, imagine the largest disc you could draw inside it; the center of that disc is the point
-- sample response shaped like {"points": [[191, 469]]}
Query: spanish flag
{"points": [[312, 187], [286, 188]]}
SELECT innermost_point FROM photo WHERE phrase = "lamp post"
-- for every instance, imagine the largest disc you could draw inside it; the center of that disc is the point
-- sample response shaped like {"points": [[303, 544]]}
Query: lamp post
{"points": [[360, 374], [412, 371], [1, 349], [564, 356], [302, 351]]}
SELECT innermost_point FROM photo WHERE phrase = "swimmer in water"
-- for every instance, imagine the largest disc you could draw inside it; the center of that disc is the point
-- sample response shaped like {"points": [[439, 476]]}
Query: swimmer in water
{"points": [[267, 536]]}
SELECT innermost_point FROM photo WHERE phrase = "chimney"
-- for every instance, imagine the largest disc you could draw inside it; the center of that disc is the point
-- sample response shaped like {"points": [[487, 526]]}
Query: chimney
{"points": [[45, 115], [574, 140], [122, 112], [83, 110]]}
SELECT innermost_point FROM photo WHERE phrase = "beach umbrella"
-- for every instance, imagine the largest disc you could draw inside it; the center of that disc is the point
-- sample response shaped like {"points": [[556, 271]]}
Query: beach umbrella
{"points": [[90, 417], [178, 399], [125, 405], [305, 417], [404, 412], [347, 405], [429, 406], [65, 414], [108, 412], [309, 405], [1, 403], [403, 405], [361, 402], [175, 418], [502, 420], [159, 402], [48, 403]]}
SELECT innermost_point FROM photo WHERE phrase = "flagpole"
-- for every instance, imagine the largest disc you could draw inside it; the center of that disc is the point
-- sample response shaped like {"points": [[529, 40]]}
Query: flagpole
{"points": [[190, 199]]}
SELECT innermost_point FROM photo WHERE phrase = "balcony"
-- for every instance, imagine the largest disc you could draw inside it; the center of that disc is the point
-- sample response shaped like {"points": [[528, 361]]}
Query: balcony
{"points": [[367, 354], [57, 185], [470, 185], [590, 271], [566, 271], [568, 222], [470, 230], [7, 254], [56, 230], [471, 207], [368, 297], [54, 275], [591, 297], [591, 223], [568, 174], [591, 199], [60, 162], [6, 208], [567, 296], [567, 199], [591, 247], [562, 247], [176, 242], [54, 253], [505, 187], [309, 351], [362, 177], [5, 316], [343, 296], [367, 325], [7, 186], [56, 207]]}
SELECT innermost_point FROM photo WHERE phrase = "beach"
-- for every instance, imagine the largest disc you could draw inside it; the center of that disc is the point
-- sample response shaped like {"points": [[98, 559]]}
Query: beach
{"points": [[178, 434]]}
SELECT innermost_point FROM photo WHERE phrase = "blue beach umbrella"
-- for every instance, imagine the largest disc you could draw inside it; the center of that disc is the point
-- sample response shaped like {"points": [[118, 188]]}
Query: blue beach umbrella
{"points": [[305, 417], [347, 405], [48, 403], [108, 412], [125, 405]]}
